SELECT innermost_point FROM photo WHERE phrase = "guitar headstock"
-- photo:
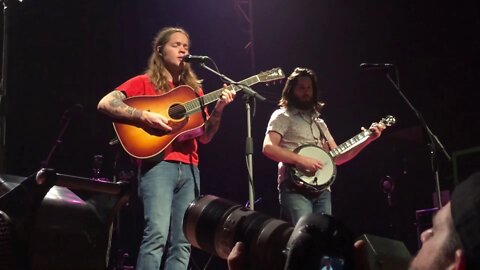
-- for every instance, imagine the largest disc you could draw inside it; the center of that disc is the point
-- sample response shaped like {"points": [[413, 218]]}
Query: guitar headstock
{"points": [[388, 120], [273, 74]]}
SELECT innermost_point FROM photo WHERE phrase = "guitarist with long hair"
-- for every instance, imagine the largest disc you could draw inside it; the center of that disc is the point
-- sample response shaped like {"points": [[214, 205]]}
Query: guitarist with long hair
{"points": [[295, 124], [169, 181]]}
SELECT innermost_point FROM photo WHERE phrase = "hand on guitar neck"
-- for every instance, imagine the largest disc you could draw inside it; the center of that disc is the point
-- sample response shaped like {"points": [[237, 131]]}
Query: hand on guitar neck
{"points": [[376, 129], [371, 134], [226, 97]]}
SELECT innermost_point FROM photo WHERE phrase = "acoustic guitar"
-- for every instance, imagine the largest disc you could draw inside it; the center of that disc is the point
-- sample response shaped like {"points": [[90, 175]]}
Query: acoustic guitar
{"points": [[183, 108]]}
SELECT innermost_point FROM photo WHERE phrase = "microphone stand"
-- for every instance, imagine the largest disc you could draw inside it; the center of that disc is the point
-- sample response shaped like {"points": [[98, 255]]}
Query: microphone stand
{"points": [[65, 121], [434, 141], [249, 153], [3, 88], [249, 142]]}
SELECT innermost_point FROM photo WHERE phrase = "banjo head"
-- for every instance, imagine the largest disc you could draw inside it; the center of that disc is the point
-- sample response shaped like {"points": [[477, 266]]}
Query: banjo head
{"points": [[322, 178]]}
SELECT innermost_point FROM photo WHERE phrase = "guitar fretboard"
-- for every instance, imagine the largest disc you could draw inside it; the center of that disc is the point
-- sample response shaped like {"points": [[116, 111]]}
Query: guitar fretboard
{"points": [[197, 104]]}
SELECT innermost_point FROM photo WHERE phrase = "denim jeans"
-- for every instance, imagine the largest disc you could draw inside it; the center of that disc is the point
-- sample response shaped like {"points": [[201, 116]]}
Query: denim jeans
{"points": [[295, 205], [166, 191]]}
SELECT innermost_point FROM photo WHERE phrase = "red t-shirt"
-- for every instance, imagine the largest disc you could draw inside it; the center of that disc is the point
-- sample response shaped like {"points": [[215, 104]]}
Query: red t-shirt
{"points": [[184, 151]]}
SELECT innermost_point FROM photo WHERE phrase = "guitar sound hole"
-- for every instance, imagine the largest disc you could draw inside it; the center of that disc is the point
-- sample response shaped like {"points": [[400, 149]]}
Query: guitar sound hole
{"points": [[177, 111]]}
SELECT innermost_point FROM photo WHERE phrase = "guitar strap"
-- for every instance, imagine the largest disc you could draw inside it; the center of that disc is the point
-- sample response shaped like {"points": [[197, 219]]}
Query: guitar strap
{"points": [[323, 127]]}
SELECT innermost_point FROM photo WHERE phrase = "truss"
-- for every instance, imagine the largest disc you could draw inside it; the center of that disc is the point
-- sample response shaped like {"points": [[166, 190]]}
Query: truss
{"points": [[245, 17]]}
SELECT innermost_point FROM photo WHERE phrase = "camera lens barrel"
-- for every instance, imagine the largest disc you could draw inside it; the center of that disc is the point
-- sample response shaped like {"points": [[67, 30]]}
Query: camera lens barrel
{"points": [[214, 225]]}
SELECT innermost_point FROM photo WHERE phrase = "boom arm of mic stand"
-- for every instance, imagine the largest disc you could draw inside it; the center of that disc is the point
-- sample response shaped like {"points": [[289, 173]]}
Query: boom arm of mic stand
{"points": [[249, 143], [245, 88], [433, 138]]}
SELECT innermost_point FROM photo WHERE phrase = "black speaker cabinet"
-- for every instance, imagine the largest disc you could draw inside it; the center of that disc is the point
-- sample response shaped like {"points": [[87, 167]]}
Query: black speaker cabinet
{"points": [[45, 225], [465, 162], [386, 254]]}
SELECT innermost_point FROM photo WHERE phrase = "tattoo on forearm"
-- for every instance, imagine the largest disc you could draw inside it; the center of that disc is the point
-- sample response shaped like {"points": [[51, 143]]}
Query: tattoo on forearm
{"points": [[116, 102], [118, 94], [130, 111], [134, 113]]}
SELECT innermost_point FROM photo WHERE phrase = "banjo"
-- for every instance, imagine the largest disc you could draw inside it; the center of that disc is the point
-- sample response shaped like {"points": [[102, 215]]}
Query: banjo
{"points": [[315, 182]]}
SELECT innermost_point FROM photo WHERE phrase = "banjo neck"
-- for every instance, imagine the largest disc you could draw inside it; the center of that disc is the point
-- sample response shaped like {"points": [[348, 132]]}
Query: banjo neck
{"points": [[313, 184], [348, 145], [360, 137]]}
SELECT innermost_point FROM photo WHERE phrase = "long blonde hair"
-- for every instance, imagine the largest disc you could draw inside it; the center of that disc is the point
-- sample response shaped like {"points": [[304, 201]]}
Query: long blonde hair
{"points": [[156, 66]]}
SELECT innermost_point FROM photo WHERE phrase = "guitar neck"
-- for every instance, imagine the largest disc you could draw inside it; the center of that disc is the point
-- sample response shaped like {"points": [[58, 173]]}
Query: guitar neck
{"points": [[348, 145], [197, 104]]}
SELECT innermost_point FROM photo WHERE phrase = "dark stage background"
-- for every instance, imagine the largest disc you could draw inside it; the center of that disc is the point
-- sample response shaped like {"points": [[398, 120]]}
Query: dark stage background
{"points": [[63, 53]]}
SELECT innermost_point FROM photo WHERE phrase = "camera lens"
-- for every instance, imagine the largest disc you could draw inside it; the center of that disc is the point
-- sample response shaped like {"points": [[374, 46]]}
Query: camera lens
{"points": [[214, 225]]}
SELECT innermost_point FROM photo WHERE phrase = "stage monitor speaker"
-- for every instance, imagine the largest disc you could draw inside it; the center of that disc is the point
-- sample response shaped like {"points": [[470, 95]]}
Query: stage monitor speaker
{"points": [[386, 254], [465, 163], [47, 226]]}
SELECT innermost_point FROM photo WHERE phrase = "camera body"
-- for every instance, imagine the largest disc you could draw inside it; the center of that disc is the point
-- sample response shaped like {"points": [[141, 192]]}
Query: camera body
{"points": [[214, 225]]}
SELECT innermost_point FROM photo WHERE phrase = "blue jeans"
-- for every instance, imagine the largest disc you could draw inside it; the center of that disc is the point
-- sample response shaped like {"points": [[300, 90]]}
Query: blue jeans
{"points": [[295, 205], [166, 191]]}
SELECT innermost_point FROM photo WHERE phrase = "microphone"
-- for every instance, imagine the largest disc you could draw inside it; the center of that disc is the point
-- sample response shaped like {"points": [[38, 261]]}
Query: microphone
{"points": [[371, 66], [195, 58]]}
